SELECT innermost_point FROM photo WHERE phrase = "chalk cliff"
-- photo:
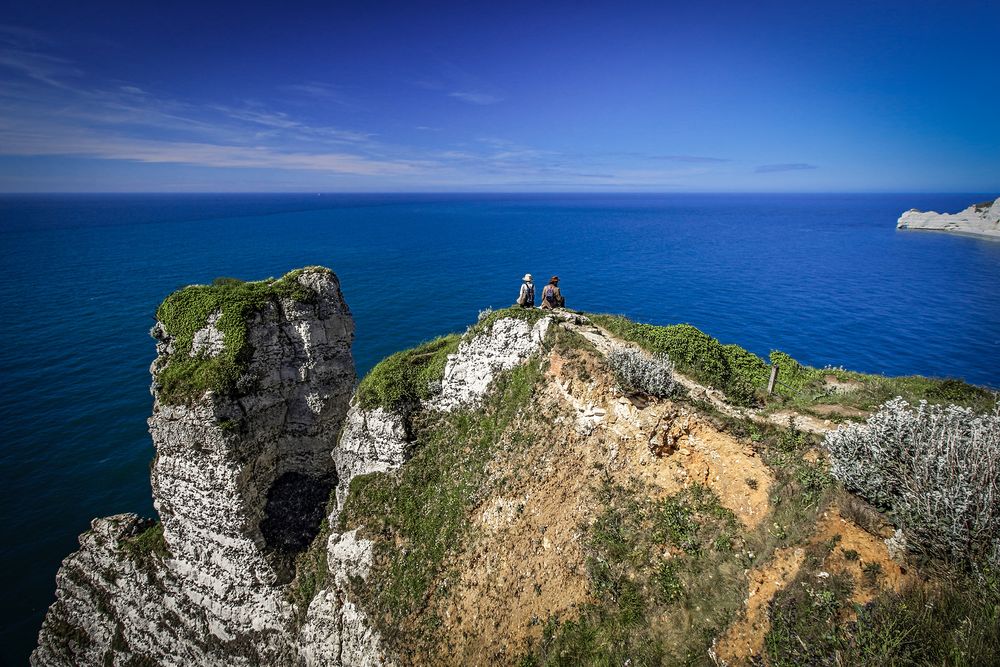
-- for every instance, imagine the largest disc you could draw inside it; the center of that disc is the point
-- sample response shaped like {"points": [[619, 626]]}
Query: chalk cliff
{"points": [[240, 479], [978, 220]]}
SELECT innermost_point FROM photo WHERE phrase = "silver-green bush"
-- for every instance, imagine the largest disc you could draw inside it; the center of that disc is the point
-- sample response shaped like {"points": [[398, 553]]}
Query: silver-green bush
{"points": [[935, 470], [652, 375]]}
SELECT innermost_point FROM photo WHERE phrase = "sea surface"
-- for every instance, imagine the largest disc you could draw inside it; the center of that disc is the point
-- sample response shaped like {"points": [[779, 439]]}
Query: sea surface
{"points": [[826, 278]]}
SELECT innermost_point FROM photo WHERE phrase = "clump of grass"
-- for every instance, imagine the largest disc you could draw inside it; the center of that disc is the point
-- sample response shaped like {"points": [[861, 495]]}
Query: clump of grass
{"points": [[148, 546], [399, 382], [872, 572], [952, 622], [637, 372], [184, 377], [805, 619], [653, 567]]}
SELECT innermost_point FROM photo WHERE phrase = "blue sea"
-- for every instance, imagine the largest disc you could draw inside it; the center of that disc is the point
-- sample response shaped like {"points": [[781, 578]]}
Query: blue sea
{"points": [[826, 278]]}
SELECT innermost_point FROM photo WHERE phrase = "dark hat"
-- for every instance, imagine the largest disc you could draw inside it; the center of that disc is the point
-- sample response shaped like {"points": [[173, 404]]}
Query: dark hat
{"points": [[554, 279]]}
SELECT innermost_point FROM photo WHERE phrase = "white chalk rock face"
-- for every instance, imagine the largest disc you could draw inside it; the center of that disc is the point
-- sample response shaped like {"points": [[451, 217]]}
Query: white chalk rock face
{"points": [[977, 220], [240, 482], [336, 631], [479, 359], [373, 441]]}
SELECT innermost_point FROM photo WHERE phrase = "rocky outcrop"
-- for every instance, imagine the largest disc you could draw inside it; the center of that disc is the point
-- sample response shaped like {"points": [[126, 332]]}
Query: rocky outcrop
{"points": [[240, 480], [977, 220], [241, 477], [336, 630], [506, 343]]}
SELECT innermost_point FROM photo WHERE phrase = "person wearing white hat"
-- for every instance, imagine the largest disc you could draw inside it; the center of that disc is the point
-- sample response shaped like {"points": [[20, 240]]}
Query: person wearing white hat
{"points": [[526, 299]]}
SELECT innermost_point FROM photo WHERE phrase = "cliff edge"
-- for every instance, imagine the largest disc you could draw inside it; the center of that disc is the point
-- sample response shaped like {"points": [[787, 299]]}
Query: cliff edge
{"points": [[251, 385], [547, 487], [981, 219]]}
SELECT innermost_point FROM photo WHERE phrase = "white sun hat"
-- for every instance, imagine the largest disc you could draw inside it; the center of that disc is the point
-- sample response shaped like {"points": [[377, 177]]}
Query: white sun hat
{"points": [[527, 276]]}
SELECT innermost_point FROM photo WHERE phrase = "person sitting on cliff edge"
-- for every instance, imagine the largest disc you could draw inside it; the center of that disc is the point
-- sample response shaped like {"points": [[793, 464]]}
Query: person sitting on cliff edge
{"points": [[551, 296], [526, 299]]}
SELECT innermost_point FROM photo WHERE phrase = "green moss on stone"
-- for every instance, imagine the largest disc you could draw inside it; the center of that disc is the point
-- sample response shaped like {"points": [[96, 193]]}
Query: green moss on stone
{"points": [[147, 545], [187, 310]]}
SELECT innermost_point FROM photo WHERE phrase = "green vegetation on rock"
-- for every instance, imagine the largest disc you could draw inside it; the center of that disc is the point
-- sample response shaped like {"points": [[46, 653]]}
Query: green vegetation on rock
{"points": [[655, 568], [402, 380], [147, 545], [953, 621], [186, 311], [743, 375], [416, 513]]}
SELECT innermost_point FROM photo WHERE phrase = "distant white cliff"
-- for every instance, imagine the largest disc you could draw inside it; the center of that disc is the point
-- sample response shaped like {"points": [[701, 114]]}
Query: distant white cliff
{"points": [[977, 220]]}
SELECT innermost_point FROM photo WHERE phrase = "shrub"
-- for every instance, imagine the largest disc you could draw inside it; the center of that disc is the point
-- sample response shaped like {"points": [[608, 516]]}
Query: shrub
{"points": [[745, 366], [636, 371], [147, 546], [936, 469], [792, 373]]}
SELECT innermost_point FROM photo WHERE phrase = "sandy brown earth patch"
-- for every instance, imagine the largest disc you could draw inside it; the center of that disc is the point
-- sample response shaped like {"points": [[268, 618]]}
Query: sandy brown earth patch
{"points": [[745, 637], [525, 563], [837, 410], [853, 551]]}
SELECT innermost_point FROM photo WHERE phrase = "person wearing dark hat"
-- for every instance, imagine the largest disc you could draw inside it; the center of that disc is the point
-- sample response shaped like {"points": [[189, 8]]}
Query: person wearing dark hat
{"points": [[526, 299], [551, 296]]}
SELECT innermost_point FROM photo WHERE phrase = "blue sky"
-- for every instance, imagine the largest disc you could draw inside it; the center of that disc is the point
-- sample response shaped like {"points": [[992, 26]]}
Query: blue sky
{"points": [[500, 96]]}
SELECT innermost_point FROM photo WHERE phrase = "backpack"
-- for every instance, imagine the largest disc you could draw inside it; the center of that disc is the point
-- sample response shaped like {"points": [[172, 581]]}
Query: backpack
{"points": [[529, 296], [549, 294]]}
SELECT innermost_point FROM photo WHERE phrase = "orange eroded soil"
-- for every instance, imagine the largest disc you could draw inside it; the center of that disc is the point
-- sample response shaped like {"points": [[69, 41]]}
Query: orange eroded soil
{"points": [[745, 637], [526, 563]]}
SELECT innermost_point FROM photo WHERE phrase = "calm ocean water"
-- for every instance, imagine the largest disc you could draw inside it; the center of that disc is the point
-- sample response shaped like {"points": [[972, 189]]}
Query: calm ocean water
{"points": [[826, 278]]}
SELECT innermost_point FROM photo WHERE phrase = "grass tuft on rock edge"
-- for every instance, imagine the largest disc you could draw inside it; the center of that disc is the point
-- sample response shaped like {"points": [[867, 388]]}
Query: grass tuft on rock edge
{"points": [[186, 311], [400, 381]]}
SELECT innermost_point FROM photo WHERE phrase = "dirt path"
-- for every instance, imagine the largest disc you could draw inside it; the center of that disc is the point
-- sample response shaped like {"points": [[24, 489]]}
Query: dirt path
{"points": [[605, 343]]}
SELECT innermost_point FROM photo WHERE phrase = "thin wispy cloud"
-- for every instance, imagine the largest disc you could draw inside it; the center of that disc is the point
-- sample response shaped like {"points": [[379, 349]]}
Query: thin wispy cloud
{"points": [[481, 99], [44, 112], [50, 108], [692, 159], [787, 166]]}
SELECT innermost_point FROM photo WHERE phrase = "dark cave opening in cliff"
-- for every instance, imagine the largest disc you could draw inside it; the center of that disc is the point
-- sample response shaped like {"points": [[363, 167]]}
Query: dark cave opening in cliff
{"points": [[296, 505]]}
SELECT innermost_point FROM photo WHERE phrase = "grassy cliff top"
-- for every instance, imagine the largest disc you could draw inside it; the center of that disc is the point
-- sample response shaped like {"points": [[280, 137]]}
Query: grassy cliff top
{"points": [[830, 393], [507, 508], [187, 310], [827, 392]]}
